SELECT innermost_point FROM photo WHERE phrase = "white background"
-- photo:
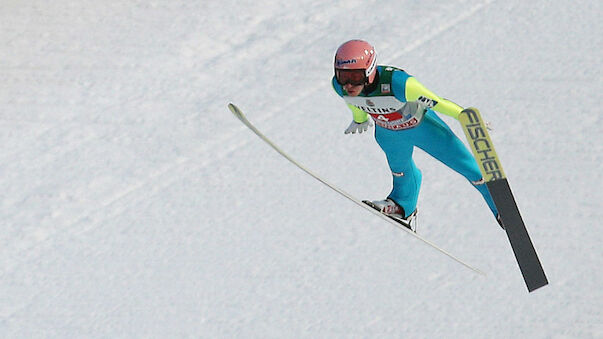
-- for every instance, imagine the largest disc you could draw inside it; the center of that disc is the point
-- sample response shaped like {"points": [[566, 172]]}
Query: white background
{"points": [[132, 203]]}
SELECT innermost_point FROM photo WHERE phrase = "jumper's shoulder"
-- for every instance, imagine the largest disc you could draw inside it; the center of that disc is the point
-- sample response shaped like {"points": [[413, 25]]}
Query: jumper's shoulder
{"points": [[395, 80], [388, 73]]}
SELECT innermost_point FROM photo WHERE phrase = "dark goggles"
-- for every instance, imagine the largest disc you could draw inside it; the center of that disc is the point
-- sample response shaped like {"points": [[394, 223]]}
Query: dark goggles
{"points": [[353, 77]]}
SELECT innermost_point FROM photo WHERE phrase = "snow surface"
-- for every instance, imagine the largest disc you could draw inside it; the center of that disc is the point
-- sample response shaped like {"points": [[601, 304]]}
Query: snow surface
{"points": [[132, 203]]}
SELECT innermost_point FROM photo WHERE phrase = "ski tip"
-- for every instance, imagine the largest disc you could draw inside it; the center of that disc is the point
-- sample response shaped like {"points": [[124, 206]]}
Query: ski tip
{"points": [[236, 111]]}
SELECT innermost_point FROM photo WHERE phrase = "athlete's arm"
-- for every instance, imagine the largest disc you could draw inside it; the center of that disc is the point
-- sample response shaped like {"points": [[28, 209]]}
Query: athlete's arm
{"points": [[415, 91]]}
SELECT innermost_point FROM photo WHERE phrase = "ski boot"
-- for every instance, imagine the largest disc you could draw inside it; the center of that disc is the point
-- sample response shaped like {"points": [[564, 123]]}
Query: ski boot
{"points": [[391, 209]]}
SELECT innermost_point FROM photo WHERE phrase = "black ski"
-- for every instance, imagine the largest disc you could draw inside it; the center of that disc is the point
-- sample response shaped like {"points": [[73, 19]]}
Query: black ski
{"points": [[498, 186], [526, 256]]}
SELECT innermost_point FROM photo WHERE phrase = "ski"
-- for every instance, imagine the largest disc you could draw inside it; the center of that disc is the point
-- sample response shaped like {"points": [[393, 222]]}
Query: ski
{"points": [[239, 115], [496, 181]]}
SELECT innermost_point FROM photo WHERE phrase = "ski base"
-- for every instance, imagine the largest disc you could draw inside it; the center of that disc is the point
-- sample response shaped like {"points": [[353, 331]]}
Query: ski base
{"points": [[525, 254], [498, 186]]}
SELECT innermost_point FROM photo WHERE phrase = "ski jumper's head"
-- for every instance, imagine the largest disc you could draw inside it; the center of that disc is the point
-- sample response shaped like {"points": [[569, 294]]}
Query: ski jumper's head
{"points": [[355, 66]]}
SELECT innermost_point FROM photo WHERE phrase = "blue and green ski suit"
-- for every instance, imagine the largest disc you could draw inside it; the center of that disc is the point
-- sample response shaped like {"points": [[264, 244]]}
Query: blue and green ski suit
{"points": [[403, 112]]}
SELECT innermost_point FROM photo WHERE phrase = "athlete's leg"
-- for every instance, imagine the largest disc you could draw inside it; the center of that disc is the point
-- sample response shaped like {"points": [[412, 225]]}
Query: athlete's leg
{"points": [[439, 141], [406, 176]]}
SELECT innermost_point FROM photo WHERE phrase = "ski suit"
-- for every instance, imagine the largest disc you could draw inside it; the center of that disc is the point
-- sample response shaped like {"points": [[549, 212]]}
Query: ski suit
{"points": [[403, 112]]}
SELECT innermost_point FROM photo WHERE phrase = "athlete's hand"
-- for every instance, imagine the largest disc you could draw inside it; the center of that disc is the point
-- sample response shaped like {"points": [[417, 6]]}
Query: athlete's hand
{"points": [[358, 127]]}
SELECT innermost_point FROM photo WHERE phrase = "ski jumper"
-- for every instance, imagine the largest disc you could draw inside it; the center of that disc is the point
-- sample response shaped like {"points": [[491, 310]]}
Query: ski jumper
{"points": [[403, 112]]}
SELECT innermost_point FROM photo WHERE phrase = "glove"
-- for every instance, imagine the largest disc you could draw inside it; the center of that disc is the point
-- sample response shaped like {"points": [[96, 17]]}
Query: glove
{"points": [[358, 127]]}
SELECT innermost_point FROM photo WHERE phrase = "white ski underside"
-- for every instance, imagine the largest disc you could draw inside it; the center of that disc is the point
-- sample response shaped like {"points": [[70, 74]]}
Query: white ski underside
{"points": [[239, 114]]}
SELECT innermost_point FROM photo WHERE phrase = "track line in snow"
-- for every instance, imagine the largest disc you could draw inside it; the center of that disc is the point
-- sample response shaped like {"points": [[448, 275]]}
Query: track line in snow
{"points": [[448, 24]]}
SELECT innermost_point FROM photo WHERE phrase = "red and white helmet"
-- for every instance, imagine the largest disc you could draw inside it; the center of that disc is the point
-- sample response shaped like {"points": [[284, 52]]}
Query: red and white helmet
{"points": [[353, 56]]}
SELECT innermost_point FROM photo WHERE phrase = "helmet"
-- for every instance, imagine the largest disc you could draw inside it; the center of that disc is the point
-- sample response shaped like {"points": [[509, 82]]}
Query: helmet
{"points": [[355, 63]]}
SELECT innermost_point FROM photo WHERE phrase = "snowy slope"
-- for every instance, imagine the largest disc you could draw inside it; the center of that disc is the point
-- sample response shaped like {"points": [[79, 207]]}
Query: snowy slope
{"points": [[132, 204]]}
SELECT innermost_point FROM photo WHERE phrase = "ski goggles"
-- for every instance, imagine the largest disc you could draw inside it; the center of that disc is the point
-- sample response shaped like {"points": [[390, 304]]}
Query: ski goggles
{"points": [[353, 77]]}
